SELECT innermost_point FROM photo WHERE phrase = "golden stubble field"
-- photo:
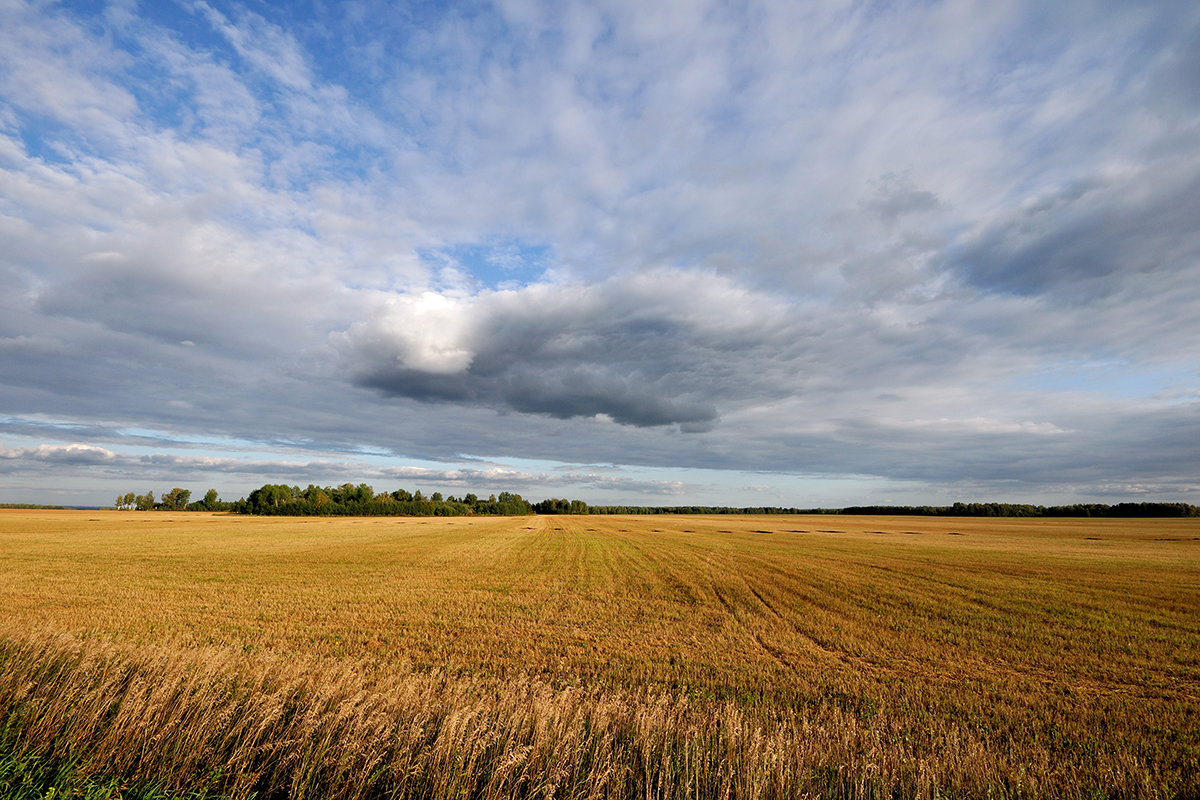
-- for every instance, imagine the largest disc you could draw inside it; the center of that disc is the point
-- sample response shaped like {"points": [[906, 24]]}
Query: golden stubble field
{"points": [[788, 655]]}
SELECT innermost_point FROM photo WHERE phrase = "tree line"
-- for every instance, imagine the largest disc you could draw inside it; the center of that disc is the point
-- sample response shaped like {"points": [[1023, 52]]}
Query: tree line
{"points": [[361, 500], [955, 510], [557, 506], [1026, 510]]}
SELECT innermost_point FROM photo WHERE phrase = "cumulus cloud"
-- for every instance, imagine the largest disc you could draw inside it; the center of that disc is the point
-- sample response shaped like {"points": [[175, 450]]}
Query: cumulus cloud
{"points": [[646, 350], [427, 334], [70, 454]]}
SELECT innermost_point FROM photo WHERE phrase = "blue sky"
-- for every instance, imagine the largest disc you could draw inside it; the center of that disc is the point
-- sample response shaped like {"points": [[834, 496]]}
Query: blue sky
{"points": [[763, 253]]}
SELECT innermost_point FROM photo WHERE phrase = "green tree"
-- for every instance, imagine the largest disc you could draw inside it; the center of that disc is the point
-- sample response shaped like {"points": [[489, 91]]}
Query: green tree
{"points": [[270, 497], [144, 502], [176, 499]]}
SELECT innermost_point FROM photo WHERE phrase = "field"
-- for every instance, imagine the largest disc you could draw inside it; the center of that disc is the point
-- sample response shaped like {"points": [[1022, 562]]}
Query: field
{"points": [[823, 656]]}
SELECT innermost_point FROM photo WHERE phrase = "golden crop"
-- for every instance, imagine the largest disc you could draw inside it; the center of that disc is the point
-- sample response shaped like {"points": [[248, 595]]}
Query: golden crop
{"points": [[609, 656]]}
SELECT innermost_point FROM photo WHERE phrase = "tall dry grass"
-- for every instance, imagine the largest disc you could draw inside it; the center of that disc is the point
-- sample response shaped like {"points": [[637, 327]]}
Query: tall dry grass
{"points": [[218, 720], [605, 657]]}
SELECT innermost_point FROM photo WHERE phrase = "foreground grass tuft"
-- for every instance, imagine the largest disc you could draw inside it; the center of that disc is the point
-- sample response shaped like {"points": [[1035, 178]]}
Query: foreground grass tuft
{"points": [[219, 722], [31, 776]]}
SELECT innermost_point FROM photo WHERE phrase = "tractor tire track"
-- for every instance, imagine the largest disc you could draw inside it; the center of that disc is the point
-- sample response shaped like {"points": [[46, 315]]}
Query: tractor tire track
{"points": [[776, 654]]}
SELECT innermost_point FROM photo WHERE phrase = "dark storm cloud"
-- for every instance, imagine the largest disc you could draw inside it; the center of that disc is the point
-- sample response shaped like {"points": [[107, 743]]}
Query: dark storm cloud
{"points": [[637, 349], [1092, 236], [1098, 449], [427, 387], [590, 390], [896, 196], [143, 300], [562, 392]]}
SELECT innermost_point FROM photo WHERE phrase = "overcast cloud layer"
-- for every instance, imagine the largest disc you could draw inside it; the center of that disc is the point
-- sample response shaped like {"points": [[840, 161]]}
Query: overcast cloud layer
{"points": [[680, 252]]}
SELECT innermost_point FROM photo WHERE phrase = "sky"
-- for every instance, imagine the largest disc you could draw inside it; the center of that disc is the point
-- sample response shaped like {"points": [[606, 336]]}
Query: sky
{"points": [[682, 252]]}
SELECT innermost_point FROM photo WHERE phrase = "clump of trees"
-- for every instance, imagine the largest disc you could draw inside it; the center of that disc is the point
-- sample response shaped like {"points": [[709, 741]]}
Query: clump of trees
{"points": [[362, 501], [553, 506], [174, 500], [141, 502]]}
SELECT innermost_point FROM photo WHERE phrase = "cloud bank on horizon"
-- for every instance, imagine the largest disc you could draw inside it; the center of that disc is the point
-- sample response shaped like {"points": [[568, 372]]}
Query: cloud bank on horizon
{"points": [[763, 253]]}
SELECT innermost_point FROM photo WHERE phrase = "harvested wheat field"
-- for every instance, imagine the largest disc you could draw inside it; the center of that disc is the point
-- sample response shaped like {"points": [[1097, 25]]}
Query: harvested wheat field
{"points": [[607, 657]]}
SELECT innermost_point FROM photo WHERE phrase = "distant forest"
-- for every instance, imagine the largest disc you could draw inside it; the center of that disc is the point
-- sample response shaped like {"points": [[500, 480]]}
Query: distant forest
{"points": [[956, 510], [362, 500]]}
